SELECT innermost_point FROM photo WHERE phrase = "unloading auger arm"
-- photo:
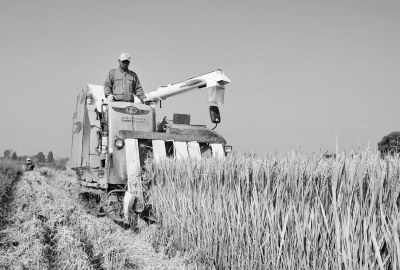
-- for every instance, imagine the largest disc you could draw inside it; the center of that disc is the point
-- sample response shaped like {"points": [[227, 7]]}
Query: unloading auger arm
{"points": [[213, 81]]}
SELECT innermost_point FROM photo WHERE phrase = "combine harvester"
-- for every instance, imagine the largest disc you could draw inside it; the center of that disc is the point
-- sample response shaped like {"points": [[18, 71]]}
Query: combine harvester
{"points": [[111, 140]]}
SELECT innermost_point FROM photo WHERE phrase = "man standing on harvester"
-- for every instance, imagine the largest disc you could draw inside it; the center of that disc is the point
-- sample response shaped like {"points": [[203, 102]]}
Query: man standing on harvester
{"points": [[122, 84]]}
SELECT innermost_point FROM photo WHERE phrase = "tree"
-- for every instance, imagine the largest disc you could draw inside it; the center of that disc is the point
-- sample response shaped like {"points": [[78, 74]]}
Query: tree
{"points": [[50, 158], [390, 144], [41, 157], [7, 153], [22, 158], [14, 156]]}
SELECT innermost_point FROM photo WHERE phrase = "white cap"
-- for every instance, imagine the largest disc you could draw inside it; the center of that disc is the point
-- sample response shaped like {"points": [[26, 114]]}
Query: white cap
{"points": [[125, 56], [28, 159]]}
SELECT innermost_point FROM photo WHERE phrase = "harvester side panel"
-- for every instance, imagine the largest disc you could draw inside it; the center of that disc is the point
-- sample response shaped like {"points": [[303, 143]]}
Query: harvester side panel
{"points": [[94, 136], [77, 131], [94, 128], [94, 161], [86, 140]]}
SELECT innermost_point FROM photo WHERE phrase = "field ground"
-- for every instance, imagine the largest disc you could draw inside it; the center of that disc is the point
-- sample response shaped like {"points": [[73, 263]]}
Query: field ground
{"points": [[47, 227]]}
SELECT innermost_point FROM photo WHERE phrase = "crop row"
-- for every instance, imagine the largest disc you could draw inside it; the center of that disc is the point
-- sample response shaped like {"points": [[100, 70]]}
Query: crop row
{"points": [[280, 212]]}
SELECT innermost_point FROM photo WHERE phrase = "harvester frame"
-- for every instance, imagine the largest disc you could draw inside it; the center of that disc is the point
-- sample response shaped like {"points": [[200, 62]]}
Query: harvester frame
{"points": [[111, 140]]}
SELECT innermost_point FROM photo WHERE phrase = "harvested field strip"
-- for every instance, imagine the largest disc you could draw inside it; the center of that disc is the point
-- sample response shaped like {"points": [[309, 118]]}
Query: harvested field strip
{"points": [[50, 229], [281, 212], [9, 173]]}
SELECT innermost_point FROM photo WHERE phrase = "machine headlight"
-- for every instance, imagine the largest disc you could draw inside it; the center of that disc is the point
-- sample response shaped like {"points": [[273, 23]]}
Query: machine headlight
{"points": [[228, 149], [119, 143]]}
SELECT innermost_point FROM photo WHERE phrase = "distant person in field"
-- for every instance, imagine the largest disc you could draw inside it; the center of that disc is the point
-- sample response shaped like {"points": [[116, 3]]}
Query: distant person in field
{"points": [[29, 165], [122, 84]]}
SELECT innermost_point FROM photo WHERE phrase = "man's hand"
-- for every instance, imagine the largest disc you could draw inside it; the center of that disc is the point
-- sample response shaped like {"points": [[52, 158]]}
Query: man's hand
{"points": [[146, 101], [111, 97]]}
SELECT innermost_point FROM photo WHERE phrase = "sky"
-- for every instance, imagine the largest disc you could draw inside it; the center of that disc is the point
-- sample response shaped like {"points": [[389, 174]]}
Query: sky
{"points": [[304, 74]]}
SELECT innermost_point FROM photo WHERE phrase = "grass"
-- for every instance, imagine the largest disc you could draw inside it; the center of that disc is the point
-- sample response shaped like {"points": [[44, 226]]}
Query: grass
{"points": [[281, 212]]}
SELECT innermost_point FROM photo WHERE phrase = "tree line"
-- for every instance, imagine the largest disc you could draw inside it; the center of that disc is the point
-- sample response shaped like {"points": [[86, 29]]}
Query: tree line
{"points": [[389, 145], [39, 158]]}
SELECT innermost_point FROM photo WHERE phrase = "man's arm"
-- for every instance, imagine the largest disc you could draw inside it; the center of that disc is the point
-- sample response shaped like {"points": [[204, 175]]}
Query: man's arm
{"points": [[138, 90], [108, 85]]}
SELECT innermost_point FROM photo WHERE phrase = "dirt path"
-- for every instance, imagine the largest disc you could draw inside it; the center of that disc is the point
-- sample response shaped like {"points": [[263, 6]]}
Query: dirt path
{"points": [[48, 228]]}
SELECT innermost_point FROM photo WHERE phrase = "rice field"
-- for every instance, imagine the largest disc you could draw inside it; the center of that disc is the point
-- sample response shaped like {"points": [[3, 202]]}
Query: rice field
{"points": [[292, 211], [281, 212]]}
